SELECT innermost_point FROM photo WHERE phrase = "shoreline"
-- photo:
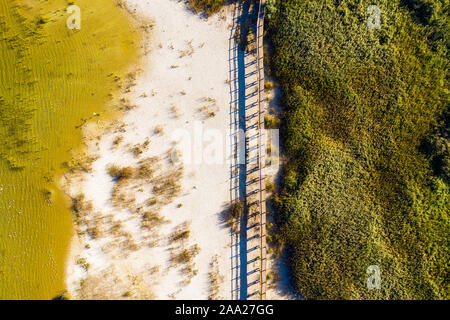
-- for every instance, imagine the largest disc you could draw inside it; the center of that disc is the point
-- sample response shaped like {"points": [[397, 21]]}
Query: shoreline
{"points": [[112, 112]]}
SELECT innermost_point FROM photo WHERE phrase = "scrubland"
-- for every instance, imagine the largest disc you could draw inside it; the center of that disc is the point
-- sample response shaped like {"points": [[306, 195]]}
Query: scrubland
{"points": [[365, 135]]}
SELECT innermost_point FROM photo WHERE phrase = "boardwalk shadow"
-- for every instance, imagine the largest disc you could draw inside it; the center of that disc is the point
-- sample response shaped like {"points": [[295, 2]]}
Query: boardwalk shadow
{"points": [[238, 115]]}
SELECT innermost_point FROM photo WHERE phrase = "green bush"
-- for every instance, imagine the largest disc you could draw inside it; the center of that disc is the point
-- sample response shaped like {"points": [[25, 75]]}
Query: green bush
{"points": [[208, 6], [271, 122], [268, 86]]}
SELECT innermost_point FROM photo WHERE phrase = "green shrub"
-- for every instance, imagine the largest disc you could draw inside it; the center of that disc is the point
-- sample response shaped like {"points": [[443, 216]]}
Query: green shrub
{"points": [[271, 122], [208, 6], [268, 85]]}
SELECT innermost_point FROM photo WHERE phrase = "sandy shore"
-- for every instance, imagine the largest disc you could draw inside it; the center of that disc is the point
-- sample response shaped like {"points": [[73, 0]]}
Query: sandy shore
{"points": [[159, 234], [150, 199]]}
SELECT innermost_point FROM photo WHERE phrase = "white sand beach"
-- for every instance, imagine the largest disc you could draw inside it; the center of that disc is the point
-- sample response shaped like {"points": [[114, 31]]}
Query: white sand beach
{"points": [[184, 85]]}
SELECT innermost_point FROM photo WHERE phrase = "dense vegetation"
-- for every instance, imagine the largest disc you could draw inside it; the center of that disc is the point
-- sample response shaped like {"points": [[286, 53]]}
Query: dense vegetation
{"points": [[366, 136]]}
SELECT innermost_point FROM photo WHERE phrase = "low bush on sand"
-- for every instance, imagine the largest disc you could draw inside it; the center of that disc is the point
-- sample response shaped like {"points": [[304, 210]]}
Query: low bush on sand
{"points": [[119, 173], [208, 6]]}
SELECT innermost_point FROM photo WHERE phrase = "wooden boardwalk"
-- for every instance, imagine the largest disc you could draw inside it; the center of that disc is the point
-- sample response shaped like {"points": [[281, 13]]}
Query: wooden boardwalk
{"points": [[255, 192], [248, 244]]}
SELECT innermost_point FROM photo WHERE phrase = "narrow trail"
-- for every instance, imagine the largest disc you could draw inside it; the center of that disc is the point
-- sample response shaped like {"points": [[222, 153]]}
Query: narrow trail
{"points": [[248, 249]]}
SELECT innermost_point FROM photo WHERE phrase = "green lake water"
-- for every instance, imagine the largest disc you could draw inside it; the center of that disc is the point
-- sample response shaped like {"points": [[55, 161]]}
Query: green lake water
{"points": [[51, 80]]}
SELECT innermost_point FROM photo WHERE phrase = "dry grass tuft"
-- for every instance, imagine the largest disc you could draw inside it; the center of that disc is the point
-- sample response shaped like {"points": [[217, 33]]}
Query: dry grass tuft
{"points": [[167, 186], [215, 279], [117, 141], [175, 111], [185, 257], [138, 149], [151, 220], [119, 173], [181, 233], [147, 168], [159, 130]]}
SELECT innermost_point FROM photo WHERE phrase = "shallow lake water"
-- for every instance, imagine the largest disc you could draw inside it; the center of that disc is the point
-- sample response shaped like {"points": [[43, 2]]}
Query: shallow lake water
{"points": [[52, 80]]}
